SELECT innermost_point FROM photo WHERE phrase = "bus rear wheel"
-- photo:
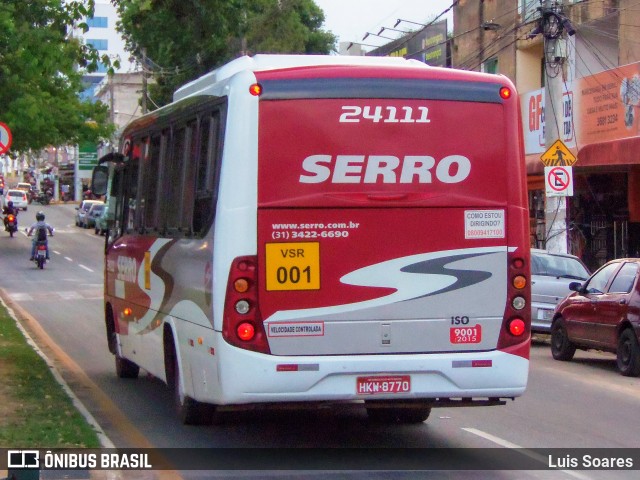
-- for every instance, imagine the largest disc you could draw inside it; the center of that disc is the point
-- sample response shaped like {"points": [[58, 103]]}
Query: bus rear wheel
{"points": [[190, 411], [126, 368], [416, 412]]}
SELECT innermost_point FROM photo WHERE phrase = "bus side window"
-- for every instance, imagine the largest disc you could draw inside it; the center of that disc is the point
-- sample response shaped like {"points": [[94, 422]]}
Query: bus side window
{"points": [[117, 186], [131, 194], [152, 169], [188, 177], [208, 167], [173, 184]]}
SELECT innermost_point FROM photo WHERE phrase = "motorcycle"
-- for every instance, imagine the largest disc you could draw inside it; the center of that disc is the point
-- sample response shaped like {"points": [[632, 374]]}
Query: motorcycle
{"points": [[11, 224], [44, 198], [40, 257], [41, 254]]}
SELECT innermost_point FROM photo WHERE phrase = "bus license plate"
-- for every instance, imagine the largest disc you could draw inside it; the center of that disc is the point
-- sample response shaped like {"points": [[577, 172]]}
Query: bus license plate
{"points": [[383, 385]]}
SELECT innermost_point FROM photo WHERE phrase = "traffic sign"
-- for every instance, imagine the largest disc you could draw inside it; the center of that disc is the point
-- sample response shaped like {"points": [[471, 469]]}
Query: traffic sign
{"points": [[5, 138], [558, 155], [558, 181], [87, 156]]}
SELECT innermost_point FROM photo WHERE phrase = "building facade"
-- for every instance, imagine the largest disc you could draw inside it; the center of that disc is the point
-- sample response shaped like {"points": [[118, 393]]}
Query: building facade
{"points": [[121, 92], [102, 34], [599, 121]]}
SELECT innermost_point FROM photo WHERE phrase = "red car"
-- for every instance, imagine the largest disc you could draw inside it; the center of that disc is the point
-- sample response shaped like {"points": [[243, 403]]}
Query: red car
{"points": [[603, 313]]}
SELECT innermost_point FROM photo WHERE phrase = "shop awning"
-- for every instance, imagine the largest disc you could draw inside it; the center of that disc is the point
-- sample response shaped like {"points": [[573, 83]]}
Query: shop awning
{"points": [[625, 151]]}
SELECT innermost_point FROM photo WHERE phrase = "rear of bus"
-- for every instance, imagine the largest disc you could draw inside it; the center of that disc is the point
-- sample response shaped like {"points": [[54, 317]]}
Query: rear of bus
{"points": [[392, 240]]}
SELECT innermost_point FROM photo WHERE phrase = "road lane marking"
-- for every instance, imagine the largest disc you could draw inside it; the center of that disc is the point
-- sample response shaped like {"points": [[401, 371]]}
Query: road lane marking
{"points": [[68, 259], [84, 294], [68, 295], [21, 297], [525, 451], [86, 268]]}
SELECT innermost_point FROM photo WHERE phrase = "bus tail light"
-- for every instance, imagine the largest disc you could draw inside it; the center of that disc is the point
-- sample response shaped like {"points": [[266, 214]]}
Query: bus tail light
{"points": [[516, 325], [246, 332], [242, 326], [505, 93], [255, 89]]}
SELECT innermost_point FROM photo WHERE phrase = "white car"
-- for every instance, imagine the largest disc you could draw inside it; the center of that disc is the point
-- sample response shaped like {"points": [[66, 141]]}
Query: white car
{"points": [[18, 197]]}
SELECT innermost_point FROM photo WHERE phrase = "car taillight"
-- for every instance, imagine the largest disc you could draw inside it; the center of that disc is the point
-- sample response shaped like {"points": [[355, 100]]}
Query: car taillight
{"points": [[242, 325], [516, 325]]}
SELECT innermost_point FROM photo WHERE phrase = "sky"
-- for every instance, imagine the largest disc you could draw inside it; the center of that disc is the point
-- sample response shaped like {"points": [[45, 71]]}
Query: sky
{"points": [[350, 20]]}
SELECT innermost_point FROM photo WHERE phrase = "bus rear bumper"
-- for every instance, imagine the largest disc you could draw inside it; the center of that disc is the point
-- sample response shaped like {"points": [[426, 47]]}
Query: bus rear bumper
{"points": [[459, 379]]}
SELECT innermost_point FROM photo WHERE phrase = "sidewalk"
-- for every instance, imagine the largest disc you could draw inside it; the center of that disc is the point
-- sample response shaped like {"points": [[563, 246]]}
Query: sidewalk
{"points": [[30, 423]]}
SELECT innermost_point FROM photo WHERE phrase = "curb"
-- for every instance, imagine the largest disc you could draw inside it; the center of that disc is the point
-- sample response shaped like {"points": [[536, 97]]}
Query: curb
{"points": [[105, 442]]}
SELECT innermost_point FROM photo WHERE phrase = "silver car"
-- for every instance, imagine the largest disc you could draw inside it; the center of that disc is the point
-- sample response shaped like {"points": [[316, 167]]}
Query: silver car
{"points": [[551, 274], [82, 211]]}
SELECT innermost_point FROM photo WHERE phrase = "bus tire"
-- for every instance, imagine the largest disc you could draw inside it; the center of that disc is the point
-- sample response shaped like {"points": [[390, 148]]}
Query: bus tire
{"points": [[190, 411], [628, 354], [561, 347], [416, 414], [126, 368], [112, 339]]}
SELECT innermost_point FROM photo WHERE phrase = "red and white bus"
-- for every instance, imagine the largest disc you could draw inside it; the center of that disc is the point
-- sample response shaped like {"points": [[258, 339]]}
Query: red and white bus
{"points": [[323, 229]]}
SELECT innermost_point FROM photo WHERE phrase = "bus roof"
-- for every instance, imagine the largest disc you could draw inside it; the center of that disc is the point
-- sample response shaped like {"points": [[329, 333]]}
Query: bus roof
{"points": [[262, 62], [287, 66]]}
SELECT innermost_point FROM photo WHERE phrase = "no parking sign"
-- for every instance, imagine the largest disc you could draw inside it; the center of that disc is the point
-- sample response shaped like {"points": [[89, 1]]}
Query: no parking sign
{"points": [[5, 138], [558, 181]]}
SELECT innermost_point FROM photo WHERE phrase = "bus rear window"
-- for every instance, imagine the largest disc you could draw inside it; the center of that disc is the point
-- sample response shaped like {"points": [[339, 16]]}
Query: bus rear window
{"points": [[313, 151]]}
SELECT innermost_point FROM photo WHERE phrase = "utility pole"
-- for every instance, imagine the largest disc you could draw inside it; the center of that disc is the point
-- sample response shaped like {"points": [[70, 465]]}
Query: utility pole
{"points": [[144, 81], [553, 24]]}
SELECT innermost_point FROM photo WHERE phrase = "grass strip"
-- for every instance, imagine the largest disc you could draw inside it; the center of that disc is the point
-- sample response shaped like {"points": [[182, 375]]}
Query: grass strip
{"points": [[35, 412]]}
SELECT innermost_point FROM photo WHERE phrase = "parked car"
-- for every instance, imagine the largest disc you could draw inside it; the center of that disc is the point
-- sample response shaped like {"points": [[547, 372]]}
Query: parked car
{"points": [[83, 209], [603, 313], [551, 274], [18, 197], [101, 227], [95, 210]]}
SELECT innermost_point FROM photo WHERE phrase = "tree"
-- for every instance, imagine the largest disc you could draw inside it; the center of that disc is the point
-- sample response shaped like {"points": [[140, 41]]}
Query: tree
{"points": [[40, 81], [179, 40], [288, 26]]}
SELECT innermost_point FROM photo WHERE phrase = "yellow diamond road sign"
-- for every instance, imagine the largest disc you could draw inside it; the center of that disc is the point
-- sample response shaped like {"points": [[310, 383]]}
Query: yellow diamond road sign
{"points": [[558, 155]]}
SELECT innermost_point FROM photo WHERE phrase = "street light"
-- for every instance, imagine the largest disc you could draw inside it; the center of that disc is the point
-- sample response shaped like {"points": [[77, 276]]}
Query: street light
{"points": [[408, 21], [376, 35]]}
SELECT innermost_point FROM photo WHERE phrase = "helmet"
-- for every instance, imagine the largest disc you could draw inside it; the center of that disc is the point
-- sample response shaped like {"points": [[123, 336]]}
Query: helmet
{"points": [[40, 216], [9, 203]]}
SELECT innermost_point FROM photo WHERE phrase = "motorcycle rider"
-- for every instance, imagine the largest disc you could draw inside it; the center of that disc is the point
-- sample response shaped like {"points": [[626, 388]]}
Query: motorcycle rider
{"points": [[41, 228], [7, 210]]}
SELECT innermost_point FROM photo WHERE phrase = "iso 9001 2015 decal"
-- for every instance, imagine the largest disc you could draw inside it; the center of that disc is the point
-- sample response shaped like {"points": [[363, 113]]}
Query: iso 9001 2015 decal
{"points": [[465, 334]]}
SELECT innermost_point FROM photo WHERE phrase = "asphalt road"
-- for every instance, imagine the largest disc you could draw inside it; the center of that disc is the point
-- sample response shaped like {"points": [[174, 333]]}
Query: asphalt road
{"points": [[580, 404]]}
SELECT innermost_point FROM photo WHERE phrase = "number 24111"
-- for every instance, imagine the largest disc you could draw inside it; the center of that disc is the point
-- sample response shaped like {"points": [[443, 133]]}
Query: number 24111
{"points": [[355, 114]]}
